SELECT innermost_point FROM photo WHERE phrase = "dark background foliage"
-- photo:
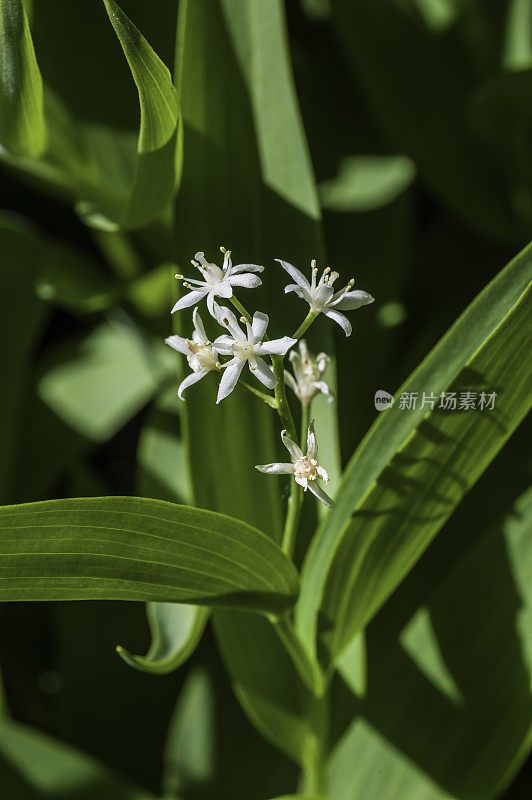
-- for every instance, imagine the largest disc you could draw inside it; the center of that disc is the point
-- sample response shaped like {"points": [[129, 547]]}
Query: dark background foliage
{"points": [[439, 84]]}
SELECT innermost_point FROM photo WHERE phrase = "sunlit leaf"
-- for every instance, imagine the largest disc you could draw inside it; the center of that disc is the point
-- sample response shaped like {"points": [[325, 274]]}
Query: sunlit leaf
{"points": [[431, 693], [22, 125], [415, 466], [136, 549]]}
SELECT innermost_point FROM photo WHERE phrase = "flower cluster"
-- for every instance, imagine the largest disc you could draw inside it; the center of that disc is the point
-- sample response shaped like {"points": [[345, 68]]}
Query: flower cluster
{"points": [[245, 341]]}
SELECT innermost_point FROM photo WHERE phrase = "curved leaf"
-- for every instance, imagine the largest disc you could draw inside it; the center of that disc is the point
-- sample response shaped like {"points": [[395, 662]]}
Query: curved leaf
{"points": [[22, 125], [176, 630], [158, 148], [129, 548], [415, 466]]}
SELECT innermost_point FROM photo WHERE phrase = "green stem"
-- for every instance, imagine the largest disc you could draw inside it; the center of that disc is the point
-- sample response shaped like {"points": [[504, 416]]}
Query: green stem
{"points": [[283, 408], [307, 322], [239, 307], [295, 501], [313, 781]]}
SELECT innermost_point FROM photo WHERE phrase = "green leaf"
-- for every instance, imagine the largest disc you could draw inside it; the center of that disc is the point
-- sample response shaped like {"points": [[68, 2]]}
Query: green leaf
{"points": [[34, 766], [414, 467], [433, 667], [22, 124], [367, 182], [176, 630], [247, 184], [97, 386], [137, 549], [157, 164]]}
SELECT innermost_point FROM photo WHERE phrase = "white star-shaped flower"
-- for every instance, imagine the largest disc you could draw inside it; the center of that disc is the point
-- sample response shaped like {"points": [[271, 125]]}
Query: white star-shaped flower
{"points": [[321, 296], [201, 355], [250, 347], [306, 381], [304, 468], [217, 281]]}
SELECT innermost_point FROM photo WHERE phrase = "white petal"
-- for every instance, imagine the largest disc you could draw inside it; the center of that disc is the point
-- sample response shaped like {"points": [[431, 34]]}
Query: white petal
{"points": [[194, 377], [323, 361], [259, 326], [230, 377], [351, 300], [302, 482], [295, 274], [341, 319], [246, 268], [322, 474], [223, 289], [229, 321], [322, 387], [179, 344], [246, 280], [293, 448], [276, 469], [189, 299], [262, 372], [278, 347], [318, 492], [198, 324], [302, 293], [223, 344], [312, 445]]}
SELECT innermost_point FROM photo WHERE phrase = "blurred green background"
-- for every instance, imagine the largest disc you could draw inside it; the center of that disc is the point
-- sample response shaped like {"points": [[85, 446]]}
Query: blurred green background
{"points": [[418, 116]]}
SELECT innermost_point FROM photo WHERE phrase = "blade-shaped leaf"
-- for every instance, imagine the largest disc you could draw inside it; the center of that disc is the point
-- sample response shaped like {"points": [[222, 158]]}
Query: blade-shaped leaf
{"points": [[448, 712], [136, 549], [176, 630], [237, 113], [22, 125], [415, 466], [158, 158]]}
